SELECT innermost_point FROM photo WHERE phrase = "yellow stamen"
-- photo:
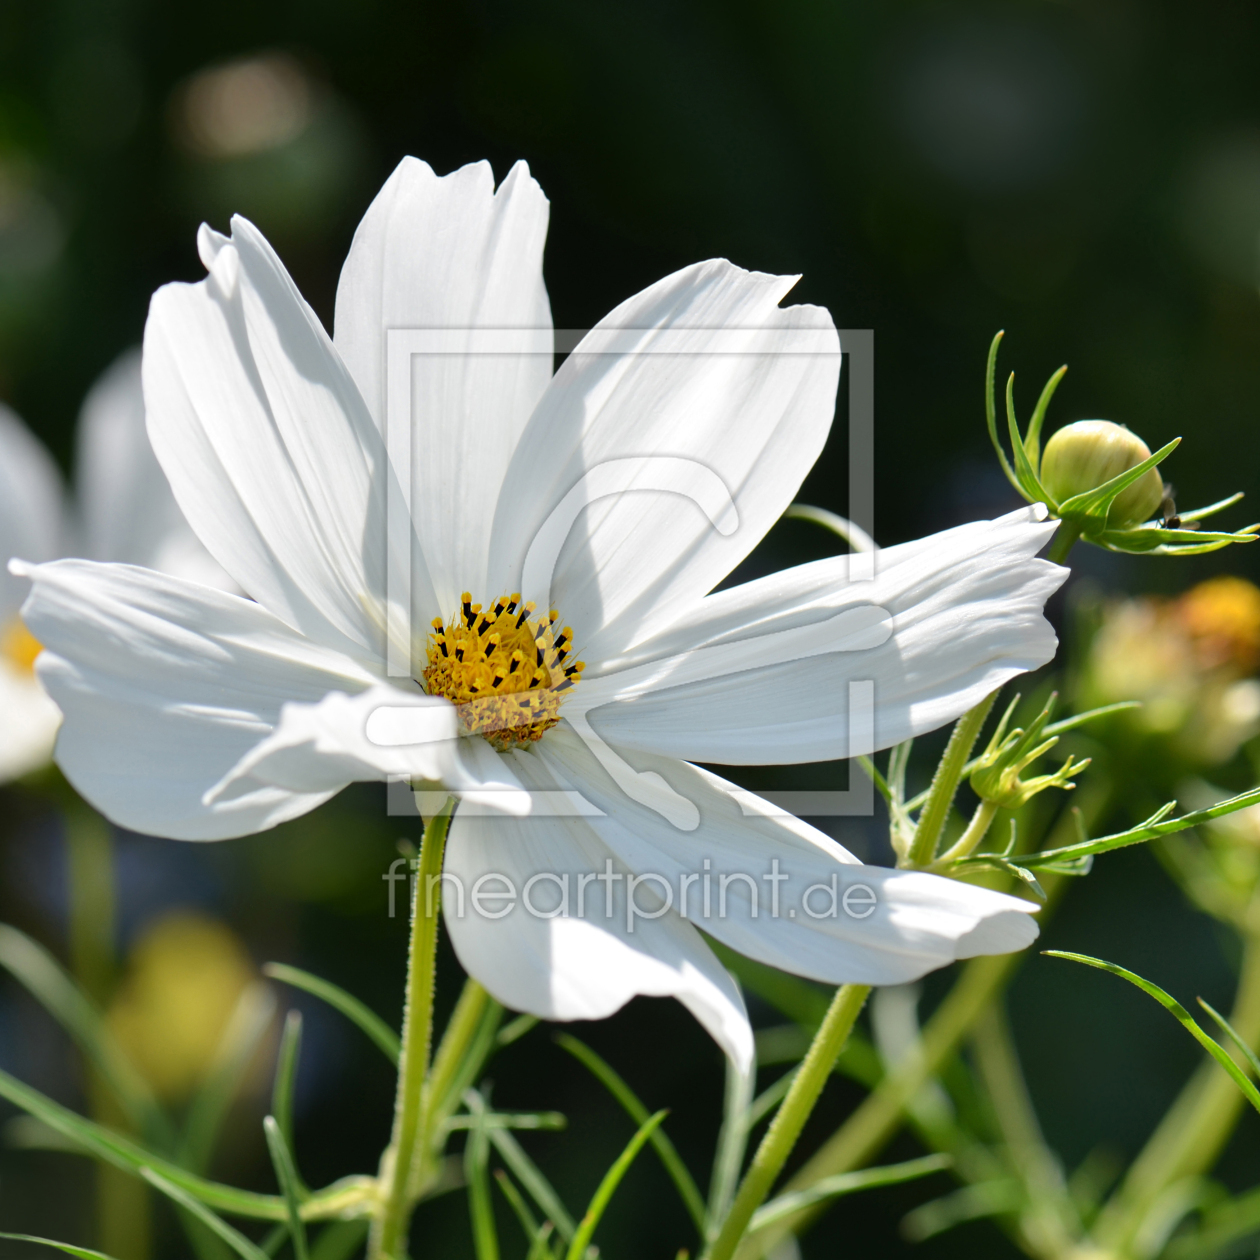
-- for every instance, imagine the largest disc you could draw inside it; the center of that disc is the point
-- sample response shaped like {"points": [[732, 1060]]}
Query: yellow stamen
{"points": [[506, 673], [19, 647]]}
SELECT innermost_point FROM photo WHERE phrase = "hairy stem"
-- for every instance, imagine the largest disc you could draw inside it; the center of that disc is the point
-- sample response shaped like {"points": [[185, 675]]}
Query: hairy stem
{"points": [[790, 1119], [389, 1227], [945, 782]]}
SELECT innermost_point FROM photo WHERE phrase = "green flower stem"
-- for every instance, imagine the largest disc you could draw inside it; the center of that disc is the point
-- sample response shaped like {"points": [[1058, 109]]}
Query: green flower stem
{"points": [[788, 1121], [449, 1063], [90, 858], [878, 1117], [1064, 540], [970, 839], [1050, 1224], [122, 1202], [856, 1143], [945, 782], [1195, 1128], [393, 1215]]}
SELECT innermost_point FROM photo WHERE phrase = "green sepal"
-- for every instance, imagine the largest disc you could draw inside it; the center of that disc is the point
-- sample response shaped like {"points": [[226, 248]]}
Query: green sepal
{"points": [[1032, 443], [990, 414], [1093, 505], [1031, 485], [1155, 540]]}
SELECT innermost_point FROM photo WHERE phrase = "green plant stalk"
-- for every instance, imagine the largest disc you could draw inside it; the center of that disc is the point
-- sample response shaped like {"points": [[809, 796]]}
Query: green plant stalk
{"points": [[861, 1137], [122, 1202], [879, 1115], [945, 782], [463, 1046], [1195, 1128], [970, 839], [387, 1240], [1050, 1225], [790, 1119], [1064, 540]]}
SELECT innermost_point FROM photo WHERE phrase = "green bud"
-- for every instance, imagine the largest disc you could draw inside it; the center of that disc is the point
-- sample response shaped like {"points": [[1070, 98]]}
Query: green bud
{"points": [[1089, 453]]}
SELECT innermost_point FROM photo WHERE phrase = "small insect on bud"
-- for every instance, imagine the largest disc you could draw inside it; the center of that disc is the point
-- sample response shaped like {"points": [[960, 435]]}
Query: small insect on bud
{"points": [[1089, 453]]}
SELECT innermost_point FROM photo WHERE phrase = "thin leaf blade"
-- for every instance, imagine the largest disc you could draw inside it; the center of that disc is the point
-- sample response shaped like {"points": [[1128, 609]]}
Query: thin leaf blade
{"points": [[368, 1021], [608, 1187]]}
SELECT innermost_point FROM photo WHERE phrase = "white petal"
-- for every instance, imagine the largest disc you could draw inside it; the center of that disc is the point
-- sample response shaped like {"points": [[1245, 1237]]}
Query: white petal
{"points": [[574, 967], [704, 368], [166, 685], [749, 677], [270, 449], [907, 924], [32, 507], [449, 255], [128, 511], [372, 735], [28, 723]]}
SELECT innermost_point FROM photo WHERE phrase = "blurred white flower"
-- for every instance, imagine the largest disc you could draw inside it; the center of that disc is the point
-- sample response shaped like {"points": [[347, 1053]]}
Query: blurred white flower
{"points": [[125, 512], [201, 715]]}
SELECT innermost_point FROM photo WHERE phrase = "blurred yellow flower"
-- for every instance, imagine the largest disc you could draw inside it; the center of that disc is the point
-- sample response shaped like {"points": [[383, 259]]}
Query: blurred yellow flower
{"points": [[184, 979], [1222, 616], [1189, 661]]}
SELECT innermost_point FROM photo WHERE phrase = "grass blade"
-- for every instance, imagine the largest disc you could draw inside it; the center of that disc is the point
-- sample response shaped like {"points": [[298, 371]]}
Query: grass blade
{"points": [[536, 1185], [516, 1201], [732, 1143], [286, 1175], [286, 1075], [608, 1187], [480, 1204], [83, 1253], [1248, 1053], [52, 986], [241, 1039], [688, 1191], [233, 1237], [1179, 1012], [340, 1240], [845, 1183], [122, 1153], [355, 1011]]}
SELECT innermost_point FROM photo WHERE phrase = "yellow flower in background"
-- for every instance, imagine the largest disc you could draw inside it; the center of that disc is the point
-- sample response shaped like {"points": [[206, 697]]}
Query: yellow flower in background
{"points": [[185, 977], [1190, 661], [1222, 616]]}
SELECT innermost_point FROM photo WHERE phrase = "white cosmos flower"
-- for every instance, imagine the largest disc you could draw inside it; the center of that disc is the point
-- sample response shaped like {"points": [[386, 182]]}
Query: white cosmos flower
{"points": [[197, 714], [125, 511]]}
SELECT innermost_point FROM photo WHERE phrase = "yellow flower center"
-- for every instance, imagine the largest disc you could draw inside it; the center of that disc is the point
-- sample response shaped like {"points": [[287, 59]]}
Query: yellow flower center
{"points": [[19, 647], [506, 671]]}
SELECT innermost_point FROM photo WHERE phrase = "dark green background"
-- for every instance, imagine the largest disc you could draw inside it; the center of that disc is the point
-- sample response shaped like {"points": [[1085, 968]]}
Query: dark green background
{"points": [[1085, 175]]}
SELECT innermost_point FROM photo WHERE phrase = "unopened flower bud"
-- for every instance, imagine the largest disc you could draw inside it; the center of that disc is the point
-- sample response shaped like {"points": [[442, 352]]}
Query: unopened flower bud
{"points": [[1089, 453]]}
